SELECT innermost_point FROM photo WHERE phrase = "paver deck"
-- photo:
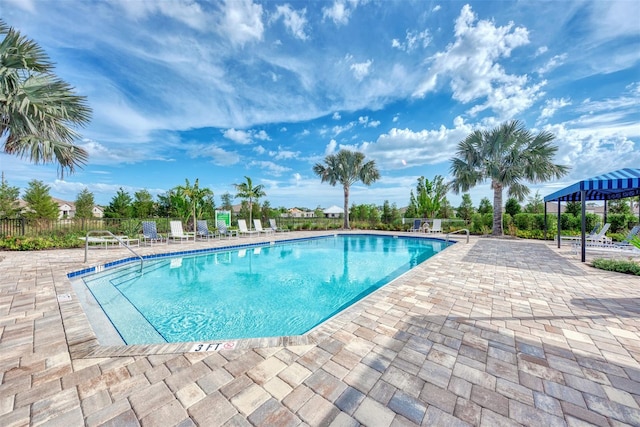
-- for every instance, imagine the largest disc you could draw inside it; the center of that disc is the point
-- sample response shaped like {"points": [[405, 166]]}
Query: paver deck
{"points": [[493, 333]]}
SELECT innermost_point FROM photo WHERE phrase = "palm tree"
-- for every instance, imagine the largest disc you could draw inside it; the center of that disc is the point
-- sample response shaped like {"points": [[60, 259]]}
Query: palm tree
{"points": [[247, 191], [507, 155], [347, 167], [192, 198], [38, 111]]}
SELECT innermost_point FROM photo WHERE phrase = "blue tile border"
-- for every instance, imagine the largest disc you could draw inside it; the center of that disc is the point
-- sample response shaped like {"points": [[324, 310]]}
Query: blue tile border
{"points": [[111, 264]]}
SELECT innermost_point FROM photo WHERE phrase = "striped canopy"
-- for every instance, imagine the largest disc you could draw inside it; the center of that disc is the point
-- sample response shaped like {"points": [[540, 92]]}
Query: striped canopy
{"points": [[613, 185]]}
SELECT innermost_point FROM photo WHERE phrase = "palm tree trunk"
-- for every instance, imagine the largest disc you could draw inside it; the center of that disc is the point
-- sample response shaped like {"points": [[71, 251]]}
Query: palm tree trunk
{"points": [[345, 224], [497, 209]]}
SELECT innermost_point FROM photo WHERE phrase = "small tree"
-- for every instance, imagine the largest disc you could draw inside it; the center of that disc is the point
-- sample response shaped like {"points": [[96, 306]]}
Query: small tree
{"points": [[387, 216], [512, 207], [536, 204], [446, 210], [428, 197], [41, 205], [485, 206], [466, 209], [619, 206], [574, 208], [120, 205], [84, 204], [143, 206], [9, 204]]}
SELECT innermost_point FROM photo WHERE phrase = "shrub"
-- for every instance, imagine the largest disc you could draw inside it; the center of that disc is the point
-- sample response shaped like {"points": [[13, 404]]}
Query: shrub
{"points": [[50, 241], [620, 222], [620, 266]]}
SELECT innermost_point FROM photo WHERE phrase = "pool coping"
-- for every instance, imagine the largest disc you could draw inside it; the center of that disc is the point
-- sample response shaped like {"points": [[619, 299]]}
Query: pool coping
{"points": [[83, 342]]}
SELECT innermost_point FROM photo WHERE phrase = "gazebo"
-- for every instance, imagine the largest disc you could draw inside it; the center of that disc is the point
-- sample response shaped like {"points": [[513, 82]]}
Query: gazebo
{"points": [[618, 184]]}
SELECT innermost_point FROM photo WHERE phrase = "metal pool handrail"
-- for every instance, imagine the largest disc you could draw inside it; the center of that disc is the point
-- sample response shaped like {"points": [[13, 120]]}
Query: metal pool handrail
{"points": [[122, 242], [458, 231]]}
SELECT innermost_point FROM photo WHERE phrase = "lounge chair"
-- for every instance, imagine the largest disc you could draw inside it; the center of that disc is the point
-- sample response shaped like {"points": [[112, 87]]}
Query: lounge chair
{"points": [[257, 224], [600, 237], [224, 231], [150, 233], [202, 230], [177, 233], [417, 226], [588, 235], [243, 230], [633, 233], [436, 227], [274, 226]]}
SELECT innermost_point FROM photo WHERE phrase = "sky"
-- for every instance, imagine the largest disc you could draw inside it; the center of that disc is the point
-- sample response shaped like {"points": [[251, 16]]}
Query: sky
{"points": [[220, 90]]}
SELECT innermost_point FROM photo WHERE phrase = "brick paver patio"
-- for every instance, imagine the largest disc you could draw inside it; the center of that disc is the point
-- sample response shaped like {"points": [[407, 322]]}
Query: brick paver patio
{"points": [[492, 333]]}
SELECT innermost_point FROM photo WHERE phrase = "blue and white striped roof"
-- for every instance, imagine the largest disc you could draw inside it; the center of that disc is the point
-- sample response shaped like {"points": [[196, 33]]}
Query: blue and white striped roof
{"points": [[613, 185]]}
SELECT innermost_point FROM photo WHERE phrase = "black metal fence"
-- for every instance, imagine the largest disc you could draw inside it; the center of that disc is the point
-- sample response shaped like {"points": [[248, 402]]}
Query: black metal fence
{"points": [[130, 227]]}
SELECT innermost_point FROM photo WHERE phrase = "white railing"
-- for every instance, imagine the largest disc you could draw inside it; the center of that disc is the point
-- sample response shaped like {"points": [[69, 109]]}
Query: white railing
{"points": [[113, 237], [458, 231]]}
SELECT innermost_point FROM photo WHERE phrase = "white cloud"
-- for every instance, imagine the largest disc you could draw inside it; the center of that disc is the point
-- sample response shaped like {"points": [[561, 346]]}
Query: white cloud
{"points": [[551, 106], [395, 118], [340, 11], [260, 149], [245, 137], [594, 148], [186, 11], [331, 147], [27, 5], [295, 21], [337, 130], [241, 21], [470, 64], [364, 121], [219, 156], [436, 8], [239, 136], [541, 50], [361, 70], [336, 116], [261, 135], [100, 154], [270, 167], [554, 62], [418, 148], [413, 39], [282, 154], [614, 19]]}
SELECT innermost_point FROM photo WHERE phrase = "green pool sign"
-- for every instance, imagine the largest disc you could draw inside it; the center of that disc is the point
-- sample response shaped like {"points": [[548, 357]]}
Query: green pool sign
{"points": [[224, 216]]}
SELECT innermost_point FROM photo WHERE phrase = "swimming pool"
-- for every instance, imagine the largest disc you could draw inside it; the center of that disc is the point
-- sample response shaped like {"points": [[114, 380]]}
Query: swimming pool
{"points": [[273, 289]]}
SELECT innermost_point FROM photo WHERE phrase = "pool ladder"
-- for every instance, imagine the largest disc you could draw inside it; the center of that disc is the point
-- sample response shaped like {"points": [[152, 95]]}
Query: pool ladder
{"points": [[458, 231], [119, 240]]}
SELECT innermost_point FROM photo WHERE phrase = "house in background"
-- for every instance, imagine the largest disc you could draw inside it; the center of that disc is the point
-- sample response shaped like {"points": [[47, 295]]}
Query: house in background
{"points": [[333, 212], [98, 211], [298, 213], [66, 210]]}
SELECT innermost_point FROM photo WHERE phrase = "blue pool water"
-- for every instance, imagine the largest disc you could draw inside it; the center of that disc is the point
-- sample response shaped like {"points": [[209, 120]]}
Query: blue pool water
{"points": [[263, 291]]}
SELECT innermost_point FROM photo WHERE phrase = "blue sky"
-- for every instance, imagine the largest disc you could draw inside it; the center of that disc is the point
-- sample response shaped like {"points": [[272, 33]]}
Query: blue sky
{"points": [[219, 90]]}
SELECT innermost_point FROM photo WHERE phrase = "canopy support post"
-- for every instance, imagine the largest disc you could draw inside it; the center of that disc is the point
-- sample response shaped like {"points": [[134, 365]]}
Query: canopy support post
{"points": [[559, 239], [583, 196]]}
